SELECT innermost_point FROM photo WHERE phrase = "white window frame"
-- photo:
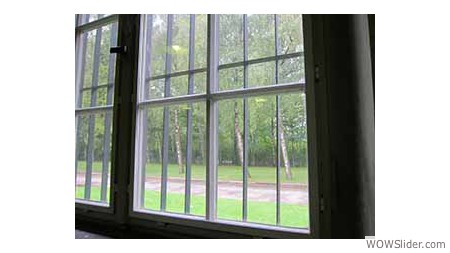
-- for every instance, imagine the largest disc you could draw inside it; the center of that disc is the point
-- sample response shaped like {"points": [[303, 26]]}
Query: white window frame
{"points": [[212, 97], [81, 204]]}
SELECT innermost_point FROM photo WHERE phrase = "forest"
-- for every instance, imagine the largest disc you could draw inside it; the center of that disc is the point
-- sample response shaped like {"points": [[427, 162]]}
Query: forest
{"points": [[262, 126]]}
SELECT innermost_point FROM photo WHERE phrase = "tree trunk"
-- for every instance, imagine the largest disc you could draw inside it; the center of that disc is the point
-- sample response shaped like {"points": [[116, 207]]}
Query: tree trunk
{"points": [[237, 133], [202, 143], [240, 143], [178, 143], [284, 153]]}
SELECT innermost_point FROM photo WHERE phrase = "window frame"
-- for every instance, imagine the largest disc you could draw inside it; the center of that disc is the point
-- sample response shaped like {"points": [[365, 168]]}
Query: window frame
{"points": [[121, 207], [212, 98], [82, 204]]}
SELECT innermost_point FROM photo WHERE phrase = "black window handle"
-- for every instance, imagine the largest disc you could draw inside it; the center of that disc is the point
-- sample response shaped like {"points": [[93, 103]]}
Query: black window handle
{"points": [[118, 50]]}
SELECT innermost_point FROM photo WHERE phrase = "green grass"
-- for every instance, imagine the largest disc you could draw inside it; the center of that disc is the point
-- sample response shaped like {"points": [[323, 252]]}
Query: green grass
{"points": [[227, 209], [226, 173]]}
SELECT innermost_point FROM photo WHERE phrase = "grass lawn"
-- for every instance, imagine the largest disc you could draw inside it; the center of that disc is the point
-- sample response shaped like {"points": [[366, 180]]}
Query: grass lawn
{"points": [[228, 209], [226, 173]]}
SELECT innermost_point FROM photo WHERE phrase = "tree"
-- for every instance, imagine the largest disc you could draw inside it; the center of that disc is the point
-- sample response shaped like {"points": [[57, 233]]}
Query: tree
{"points": [[261, 110]]}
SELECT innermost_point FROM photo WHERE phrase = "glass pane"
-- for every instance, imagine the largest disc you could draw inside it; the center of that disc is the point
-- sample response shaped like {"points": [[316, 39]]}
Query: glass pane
{"points": [[261, 36], [93, 132], [102, 96], [290, 33], [93, 153], [154, 139], [156, 52], [88, 43], [292, 70], [158, 45], [231, 78], [201, 39], [294, 177], [261, 74], [229, 202], [157, 88], [200, 83], [178, 86], [262, 160], [180, 43], [186, 123], [231, 45], [98, 65]]}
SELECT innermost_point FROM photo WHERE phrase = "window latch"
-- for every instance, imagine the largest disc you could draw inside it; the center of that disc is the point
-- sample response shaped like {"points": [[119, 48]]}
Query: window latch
{"points": [[118, 50]]}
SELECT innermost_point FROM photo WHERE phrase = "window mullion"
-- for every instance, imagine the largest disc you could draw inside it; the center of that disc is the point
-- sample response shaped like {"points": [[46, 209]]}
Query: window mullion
{"points": [[187, 195], [142, 124], [278, 148], [245, 105], [212, 117], [166, 124]]}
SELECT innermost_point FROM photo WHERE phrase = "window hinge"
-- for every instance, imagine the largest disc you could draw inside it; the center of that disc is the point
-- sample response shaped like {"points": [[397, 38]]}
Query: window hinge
{"points": [[322, 204], [317, 73]]}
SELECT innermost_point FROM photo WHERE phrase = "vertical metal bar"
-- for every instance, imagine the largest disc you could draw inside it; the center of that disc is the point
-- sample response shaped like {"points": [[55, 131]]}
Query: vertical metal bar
{"points": [[90, 146], [108, 115], [165, 143], [277, 125], [187, 193], [245, 155], [146, 95], [79, 94], [212, 119]]}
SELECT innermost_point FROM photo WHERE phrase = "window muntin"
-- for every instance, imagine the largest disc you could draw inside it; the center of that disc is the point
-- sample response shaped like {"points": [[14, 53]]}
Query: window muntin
{"points": [[242, 65], [95, 72]]}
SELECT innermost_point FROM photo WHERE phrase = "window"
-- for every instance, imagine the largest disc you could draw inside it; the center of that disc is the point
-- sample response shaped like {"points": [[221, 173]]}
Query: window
{"points": [[171, 136], [95, 72], [221, 129]]}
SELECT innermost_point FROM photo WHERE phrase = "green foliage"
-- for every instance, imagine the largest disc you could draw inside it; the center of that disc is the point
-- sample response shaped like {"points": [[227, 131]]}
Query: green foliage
{"points": [[261, 110]]}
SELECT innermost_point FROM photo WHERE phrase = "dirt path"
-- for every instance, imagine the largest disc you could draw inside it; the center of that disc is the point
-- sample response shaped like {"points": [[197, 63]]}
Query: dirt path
{"points": [[266, 192]]}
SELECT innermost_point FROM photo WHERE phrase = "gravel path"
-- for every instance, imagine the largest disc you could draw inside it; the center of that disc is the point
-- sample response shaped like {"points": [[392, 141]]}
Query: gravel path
{"points": [[290, 193]]}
